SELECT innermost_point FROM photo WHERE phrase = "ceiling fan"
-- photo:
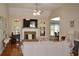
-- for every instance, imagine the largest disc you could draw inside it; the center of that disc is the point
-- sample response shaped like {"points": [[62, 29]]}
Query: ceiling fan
{"points": [[37, 11]]}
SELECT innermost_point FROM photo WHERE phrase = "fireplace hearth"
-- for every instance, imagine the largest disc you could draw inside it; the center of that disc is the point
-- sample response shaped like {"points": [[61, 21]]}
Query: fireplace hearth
{"points": [[31, 35]]}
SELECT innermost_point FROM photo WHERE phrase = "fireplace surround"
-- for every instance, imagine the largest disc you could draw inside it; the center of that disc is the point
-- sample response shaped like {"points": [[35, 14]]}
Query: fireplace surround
{"points": [[30, 35]]}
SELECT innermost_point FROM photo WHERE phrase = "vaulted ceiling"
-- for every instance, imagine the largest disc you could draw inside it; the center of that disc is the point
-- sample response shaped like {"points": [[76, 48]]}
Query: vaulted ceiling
{"points": [[42, 6]]}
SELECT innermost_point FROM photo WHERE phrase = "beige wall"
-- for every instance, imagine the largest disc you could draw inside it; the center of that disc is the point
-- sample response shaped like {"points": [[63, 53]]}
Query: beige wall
{"points": [[4, 17], [21, 13], [67, 13]]}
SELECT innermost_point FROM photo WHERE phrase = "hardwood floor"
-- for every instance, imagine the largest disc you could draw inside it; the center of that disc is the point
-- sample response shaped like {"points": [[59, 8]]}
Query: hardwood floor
{"points": [[12, 50]]}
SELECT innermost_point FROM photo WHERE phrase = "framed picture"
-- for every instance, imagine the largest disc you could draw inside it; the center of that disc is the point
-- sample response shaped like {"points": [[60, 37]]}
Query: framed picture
{"points": [[42, 31], [72, 23]]}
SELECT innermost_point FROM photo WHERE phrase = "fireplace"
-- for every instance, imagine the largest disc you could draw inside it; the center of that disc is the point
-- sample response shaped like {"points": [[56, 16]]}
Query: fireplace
{"points": [[30, 35]]}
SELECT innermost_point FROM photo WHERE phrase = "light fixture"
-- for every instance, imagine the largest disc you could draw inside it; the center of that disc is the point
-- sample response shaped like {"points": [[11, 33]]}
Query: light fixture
{"points": [[36, 11]]}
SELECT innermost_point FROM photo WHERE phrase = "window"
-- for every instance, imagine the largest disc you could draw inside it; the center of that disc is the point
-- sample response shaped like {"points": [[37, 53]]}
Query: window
{"points": [[54, 26]]}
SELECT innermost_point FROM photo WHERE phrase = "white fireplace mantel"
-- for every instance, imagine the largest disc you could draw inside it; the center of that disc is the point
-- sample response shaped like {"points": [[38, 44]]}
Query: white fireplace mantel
{"points": [[28, 30]]}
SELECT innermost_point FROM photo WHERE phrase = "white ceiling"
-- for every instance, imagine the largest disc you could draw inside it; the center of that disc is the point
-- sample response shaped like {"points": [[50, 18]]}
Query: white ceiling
{"points": [[42, 6]]}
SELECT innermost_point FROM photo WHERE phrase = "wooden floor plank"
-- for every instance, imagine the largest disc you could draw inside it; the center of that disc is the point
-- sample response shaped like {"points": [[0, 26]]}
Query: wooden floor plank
{"points": [[12, 50]]}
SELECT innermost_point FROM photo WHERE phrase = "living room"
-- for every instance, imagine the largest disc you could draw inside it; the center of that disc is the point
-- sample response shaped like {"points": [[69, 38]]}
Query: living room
{"points": [[19, 18]]}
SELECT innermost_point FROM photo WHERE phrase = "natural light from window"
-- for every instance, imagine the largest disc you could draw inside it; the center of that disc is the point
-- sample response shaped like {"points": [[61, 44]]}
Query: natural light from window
{"points": [[56, 19], [54, 26]]}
